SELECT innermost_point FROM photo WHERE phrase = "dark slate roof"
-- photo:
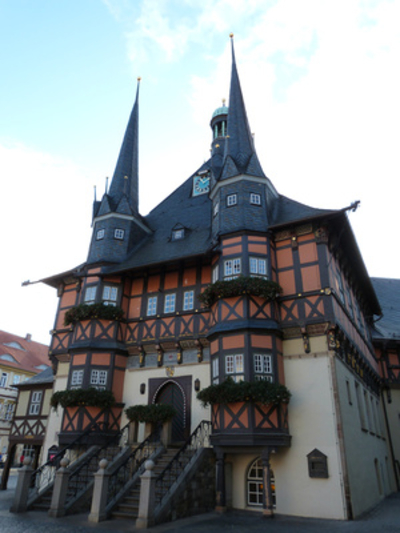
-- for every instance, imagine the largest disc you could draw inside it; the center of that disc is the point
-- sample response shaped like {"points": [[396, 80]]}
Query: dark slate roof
{"points": [[125, 179], [240, 155], [388, 292], [42, 378], [180, 209], [286, 210]]}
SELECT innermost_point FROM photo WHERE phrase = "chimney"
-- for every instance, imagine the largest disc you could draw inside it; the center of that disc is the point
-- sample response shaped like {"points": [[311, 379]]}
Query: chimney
{"points": [[28, 337]]}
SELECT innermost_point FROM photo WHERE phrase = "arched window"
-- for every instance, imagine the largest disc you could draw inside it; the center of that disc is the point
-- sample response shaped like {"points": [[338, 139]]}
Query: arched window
{"points": [[255, 485]]}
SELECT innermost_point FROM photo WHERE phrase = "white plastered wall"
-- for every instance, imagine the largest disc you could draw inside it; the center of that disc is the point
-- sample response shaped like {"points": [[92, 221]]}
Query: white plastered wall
{"points": [[368, 458], [393, 415], [134, 377], [55, 417], [312, 424]]}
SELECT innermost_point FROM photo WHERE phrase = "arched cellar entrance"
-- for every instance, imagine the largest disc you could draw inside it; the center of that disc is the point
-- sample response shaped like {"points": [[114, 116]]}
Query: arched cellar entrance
{"points": [[255, 485], [171, 392]]}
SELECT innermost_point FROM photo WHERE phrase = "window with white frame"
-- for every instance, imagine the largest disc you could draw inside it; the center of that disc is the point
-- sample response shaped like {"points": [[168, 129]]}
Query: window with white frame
{"points": [[231, 200], [119, 234], [255, 199], [152, 306], [90, 294], [3, 379], [232, 268], [100, 234], [169, 303], [215, 371], [215, 273], [255, 485], [263, 367], [76, 379], [16, 379], [188, 300], [98, 379], [258, 267], [9, 411], [234, 367], [110, 295], [36, 400]]}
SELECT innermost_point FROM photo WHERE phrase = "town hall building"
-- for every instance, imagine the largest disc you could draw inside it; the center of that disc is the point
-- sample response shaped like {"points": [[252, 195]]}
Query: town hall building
{"points": [[328, 451]]}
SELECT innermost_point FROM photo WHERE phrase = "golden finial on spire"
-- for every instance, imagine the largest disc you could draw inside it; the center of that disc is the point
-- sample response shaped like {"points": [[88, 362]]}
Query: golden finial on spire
{"points": [[139, 79], [223, 101], [231, 35]]}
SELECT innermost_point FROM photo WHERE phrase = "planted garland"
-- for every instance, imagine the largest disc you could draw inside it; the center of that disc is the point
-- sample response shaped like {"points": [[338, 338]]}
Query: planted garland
{"points": [[229, 391], [264, 288], [90, 311], [154, 413], [83, 397]]}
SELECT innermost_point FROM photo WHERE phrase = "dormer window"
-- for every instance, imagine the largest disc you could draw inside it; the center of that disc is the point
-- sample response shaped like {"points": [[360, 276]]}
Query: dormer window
{"points": [[119, 234], [231, 200], [178, 234], [100, 234], [255, 199]]}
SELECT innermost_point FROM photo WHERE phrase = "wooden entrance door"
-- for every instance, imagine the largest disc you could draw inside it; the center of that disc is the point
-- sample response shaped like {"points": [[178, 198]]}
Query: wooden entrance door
{"points": [[171, 394]]}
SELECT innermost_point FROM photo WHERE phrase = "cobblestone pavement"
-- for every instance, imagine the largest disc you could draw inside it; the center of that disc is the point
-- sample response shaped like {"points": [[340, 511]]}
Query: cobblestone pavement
{"points": [[383, 519]]}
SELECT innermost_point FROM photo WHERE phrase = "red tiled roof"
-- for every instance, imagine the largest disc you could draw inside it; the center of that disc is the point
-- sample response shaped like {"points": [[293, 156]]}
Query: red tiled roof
{"points": [[32, 354]]}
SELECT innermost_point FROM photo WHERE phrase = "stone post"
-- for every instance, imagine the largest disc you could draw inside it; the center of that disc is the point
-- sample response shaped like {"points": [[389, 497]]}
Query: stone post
{"points": [[20, 502], [268, 509], [220, 483], [60, 488], [100, 489], [133, 432], [145, 517], [166, 433]]}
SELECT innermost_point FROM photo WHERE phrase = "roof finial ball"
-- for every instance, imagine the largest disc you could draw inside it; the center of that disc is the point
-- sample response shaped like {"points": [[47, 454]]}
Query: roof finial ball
{"points": [[139, 79], [231, 35]]}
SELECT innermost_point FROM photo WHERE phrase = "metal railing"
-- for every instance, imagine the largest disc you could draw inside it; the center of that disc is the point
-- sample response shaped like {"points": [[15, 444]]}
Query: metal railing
{"points": [[43, 476], [197, 440], [80, 477], [130, 466]]}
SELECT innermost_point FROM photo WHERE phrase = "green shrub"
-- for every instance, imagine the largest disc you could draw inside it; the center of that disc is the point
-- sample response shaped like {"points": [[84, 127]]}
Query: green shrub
{"points": [[87, 397], [229, 391], [264, 288], [89, 311], [154, 413]]}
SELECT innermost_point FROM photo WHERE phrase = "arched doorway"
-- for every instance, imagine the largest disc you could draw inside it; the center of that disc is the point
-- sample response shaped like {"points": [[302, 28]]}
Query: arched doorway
{"points": [[255, 485], [171, 393]]}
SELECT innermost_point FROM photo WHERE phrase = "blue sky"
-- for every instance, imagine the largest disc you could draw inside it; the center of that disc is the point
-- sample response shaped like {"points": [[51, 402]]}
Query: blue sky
{"points": [[321, 85]]}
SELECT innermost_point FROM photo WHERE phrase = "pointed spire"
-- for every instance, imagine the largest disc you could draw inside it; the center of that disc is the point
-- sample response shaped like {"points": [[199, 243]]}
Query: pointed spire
{"points": [[126, 176], [240, 146]]}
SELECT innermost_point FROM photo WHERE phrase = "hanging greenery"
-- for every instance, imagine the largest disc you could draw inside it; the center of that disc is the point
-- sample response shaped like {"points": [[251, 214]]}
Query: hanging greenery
{"points": [[154, 413], [86, 397], [90, 311], [264, 288], [229, 391]]}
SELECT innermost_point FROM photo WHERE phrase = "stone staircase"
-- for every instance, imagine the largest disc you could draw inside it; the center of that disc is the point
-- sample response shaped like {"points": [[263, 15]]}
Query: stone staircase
{"points": [[129, 505]]}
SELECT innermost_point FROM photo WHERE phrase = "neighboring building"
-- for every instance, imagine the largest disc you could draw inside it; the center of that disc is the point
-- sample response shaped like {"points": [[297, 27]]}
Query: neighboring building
{"points": [[386, 339], [327, 453], [29, 423], [20, 359]]}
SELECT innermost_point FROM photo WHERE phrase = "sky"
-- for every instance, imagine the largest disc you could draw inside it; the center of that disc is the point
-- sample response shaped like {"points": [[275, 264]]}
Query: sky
{"points": [[321, 87]]}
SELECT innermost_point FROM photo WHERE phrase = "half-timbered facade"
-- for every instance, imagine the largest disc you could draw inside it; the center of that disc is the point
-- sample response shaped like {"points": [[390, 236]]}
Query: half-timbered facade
{"points": [[228, 222], [20, 359]]}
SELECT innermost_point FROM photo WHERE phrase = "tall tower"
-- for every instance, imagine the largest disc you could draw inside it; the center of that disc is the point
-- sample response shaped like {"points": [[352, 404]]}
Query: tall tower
{"points": [[117, 225]]}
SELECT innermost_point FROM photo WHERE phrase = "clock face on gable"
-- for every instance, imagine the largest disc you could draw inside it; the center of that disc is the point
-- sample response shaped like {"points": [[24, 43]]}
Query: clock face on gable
{"points": [[201, 185]]}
